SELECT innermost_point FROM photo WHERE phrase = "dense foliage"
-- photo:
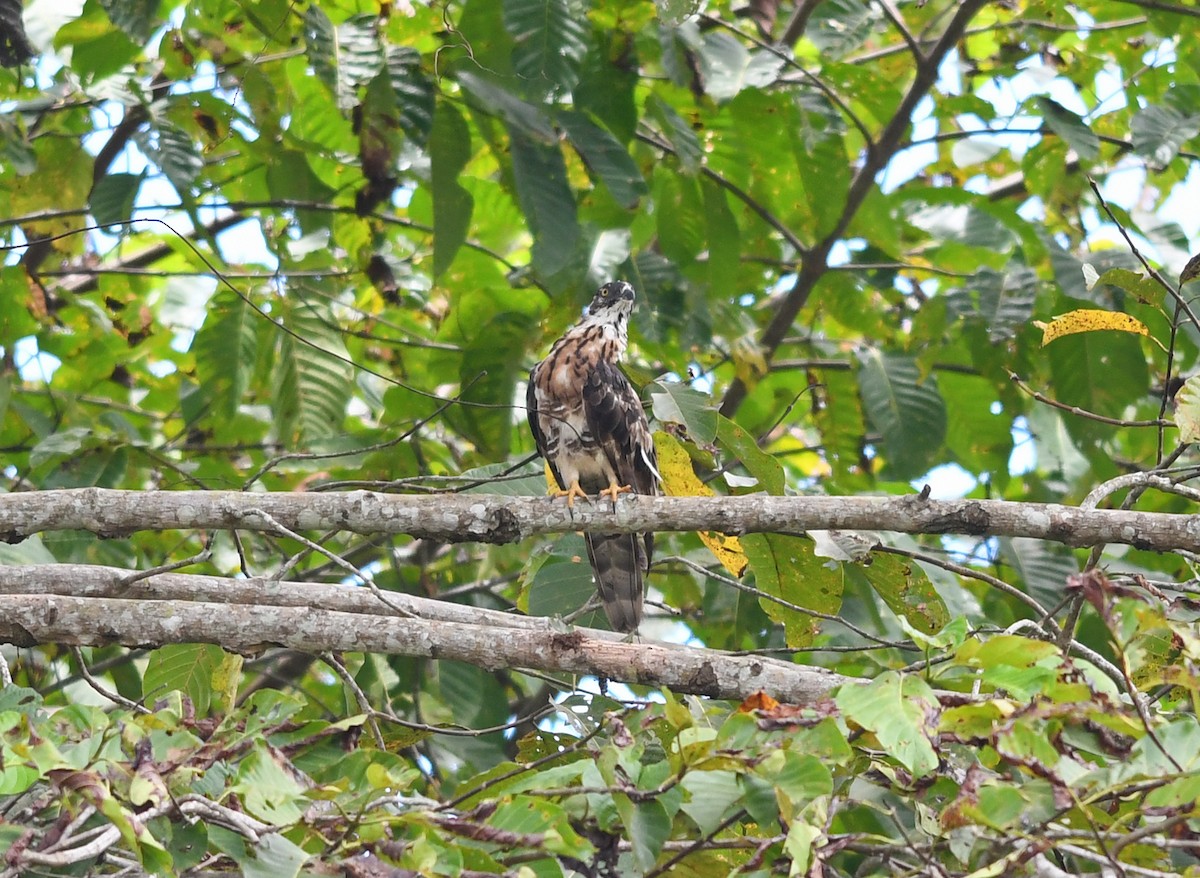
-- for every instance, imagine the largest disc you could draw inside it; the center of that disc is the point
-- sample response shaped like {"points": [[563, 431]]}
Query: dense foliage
{"points": [[306, 247]]}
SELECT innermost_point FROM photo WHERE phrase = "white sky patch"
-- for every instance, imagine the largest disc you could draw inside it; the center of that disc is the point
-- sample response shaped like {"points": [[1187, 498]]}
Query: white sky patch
{"points": [[947, 482], [34, 365]]}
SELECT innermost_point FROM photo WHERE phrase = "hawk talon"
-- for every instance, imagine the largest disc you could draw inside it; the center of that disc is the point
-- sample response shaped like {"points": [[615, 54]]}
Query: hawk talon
{"points": [[613, 490], [572, 491]]}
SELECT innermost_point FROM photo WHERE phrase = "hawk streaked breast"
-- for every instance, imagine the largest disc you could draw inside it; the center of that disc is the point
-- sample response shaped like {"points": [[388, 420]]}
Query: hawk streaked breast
{"points": [[588, 423]]}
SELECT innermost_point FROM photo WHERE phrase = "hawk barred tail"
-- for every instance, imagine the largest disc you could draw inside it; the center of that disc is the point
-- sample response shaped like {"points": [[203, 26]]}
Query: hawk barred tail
{"points": [[620, 563], [587, 421]]}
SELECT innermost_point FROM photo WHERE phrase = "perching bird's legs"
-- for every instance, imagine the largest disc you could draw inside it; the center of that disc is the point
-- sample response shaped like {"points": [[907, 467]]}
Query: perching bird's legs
{"points": [[613, 490], [572, 491]]}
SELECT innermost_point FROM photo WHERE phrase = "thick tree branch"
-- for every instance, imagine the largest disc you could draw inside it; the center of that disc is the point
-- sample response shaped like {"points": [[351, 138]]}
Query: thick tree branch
{"points": [[38, 605], [501, 519]]}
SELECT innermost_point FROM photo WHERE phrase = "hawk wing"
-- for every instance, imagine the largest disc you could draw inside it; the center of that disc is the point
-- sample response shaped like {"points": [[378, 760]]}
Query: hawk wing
{"points": [[531, 414], [618, 425]]}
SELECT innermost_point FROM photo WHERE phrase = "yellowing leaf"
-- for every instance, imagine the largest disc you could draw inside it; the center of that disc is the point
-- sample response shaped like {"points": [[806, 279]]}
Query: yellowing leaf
{"points": [[1090, 320], [727, 549], [679, 480], [1187, 410]]}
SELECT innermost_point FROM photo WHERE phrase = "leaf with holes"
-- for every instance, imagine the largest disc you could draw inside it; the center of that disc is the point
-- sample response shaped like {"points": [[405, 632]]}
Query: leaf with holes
{"points": [[787, 568], [901, 711], [907, 591]]}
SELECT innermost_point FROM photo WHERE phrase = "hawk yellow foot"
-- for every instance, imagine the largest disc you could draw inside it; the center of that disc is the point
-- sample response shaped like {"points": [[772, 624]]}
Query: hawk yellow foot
{"points": [[613, 490], [572, 491]]}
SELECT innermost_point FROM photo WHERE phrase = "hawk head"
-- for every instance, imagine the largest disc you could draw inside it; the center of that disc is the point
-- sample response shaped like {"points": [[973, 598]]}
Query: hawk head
{"points": [[612, 303]]}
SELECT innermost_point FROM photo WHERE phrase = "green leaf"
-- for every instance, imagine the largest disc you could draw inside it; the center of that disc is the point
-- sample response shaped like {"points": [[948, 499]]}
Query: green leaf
{"points": [[343, 56], [546, 198], [907, 591], [449, 152], [135, 17], [610, 251], [838, 27], [759, 799], [1159, 132], [522, 117], [673, 13], [491, 324], [273, 856], [1145, 290], [1042, 567], [65, 443], [901, 711], [1070, 128], [980, 436], [113, 198], [787, 568], [606, 159], [908, 413], [313, 375], [605, 90], [712, 794], [724, 238], [1187, 410], [561, 581], [174, 151], [98, 49], [531, 481], [1101, 372], [188, 668], [741, 445], [289, 176], [648, 831], [798, 845], [674, 402], [267, 785], [802, 777], [679, 134], [535, 815], [550, 40], [1001, 301], [414, 92], [226, 349], [30, 550], [730, 67]]}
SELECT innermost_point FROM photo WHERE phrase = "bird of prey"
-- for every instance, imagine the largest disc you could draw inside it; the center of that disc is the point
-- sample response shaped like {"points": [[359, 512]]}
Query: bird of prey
{"points": [[588, 423]]}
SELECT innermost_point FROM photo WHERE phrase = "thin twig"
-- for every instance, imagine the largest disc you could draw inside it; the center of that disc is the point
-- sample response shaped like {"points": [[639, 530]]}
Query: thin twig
{"points": [[1083, 413]]}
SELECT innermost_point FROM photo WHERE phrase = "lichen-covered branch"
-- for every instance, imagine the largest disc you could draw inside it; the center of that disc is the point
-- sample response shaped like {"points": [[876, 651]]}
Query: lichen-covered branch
{"points": [[62, 603], [502, 519]]}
